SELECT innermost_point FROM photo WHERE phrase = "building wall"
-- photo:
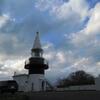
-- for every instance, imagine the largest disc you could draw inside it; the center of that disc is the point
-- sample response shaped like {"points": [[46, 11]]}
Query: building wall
{"points": [[96, 86], [83, 87], [36, 82], [97, 83], [32, 82], [22, 82]]}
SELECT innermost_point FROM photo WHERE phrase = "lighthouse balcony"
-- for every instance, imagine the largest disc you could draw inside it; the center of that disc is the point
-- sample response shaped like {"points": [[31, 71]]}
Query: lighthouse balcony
{"points": [[36, 62]]}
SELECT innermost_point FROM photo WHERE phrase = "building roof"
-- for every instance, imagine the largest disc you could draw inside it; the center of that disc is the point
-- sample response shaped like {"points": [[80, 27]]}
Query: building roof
{"points": [[37, 44], [20, 75]]}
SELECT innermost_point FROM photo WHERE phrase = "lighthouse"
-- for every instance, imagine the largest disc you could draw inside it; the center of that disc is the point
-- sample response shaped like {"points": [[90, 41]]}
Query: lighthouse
{"points": [[36, 67]]}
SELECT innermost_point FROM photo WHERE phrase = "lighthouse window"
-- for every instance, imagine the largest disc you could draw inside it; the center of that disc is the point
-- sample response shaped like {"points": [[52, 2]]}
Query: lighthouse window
{"points": [[36, 54], [26, 81]]}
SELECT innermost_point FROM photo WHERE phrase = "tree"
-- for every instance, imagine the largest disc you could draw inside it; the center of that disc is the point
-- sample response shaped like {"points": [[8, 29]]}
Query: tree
{"points": [[77, 78]]}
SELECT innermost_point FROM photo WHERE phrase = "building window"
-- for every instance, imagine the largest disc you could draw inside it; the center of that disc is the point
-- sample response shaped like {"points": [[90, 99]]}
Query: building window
{"points": [[26, 81], [43, 85], [32, 86]]}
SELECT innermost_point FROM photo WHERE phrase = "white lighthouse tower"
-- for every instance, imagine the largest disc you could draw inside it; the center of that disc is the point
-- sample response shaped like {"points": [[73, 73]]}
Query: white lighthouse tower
{"points": [[36, 67]]}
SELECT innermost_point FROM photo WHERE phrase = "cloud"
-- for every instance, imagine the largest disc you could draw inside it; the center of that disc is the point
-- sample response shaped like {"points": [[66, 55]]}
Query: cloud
{"points": [[91, 30], [62, 10], [93, 26], [79, 8], [55, 19], [3, 20], [67, 16], [88, 38], [63, 62], [9, 66]]}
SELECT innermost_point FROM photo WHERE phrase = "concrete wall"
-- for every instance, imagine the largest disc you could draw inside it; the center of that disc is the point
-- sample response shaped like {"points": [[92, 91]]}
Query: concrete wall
{"points": [[96, 86], [22, 81], [83, 87], [97, 83], [32, 82], [36, 82]]}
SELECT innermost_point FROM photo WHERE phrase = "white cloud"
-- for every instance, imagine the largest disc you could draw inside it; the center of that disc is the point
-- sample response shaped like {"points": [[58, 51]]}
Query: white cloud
{"points": [[91, 30], [44, 5], [63, 62], [65, 16], [3, 20], [63, 10], [93, 26], [68, 9], [8, 67], [60, 57]]}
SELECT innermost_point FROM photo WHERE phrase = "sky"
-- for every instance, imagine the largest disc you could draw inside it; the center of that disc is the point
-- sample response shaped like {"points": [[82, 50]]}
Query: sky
{"points": [[69, 32]]}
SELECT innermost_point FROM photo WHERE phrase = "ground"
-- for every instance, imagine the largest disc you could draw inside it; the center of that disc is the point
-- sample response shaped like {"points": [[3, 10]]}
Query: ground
{"points": [[66, 95]]}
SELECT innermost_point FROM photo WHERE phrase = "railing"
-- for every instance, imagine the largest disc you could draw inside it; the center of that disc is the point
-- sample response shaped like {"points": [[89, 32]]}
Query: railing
{"points": [[46, 62], [27, 62], [50, 87]]}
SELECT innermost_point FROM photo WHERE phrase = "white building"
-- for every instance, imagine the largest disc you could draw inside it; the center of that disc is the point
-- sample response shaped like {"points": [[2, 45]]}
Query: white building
{"points": [[97, 83], [22, 81]]}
